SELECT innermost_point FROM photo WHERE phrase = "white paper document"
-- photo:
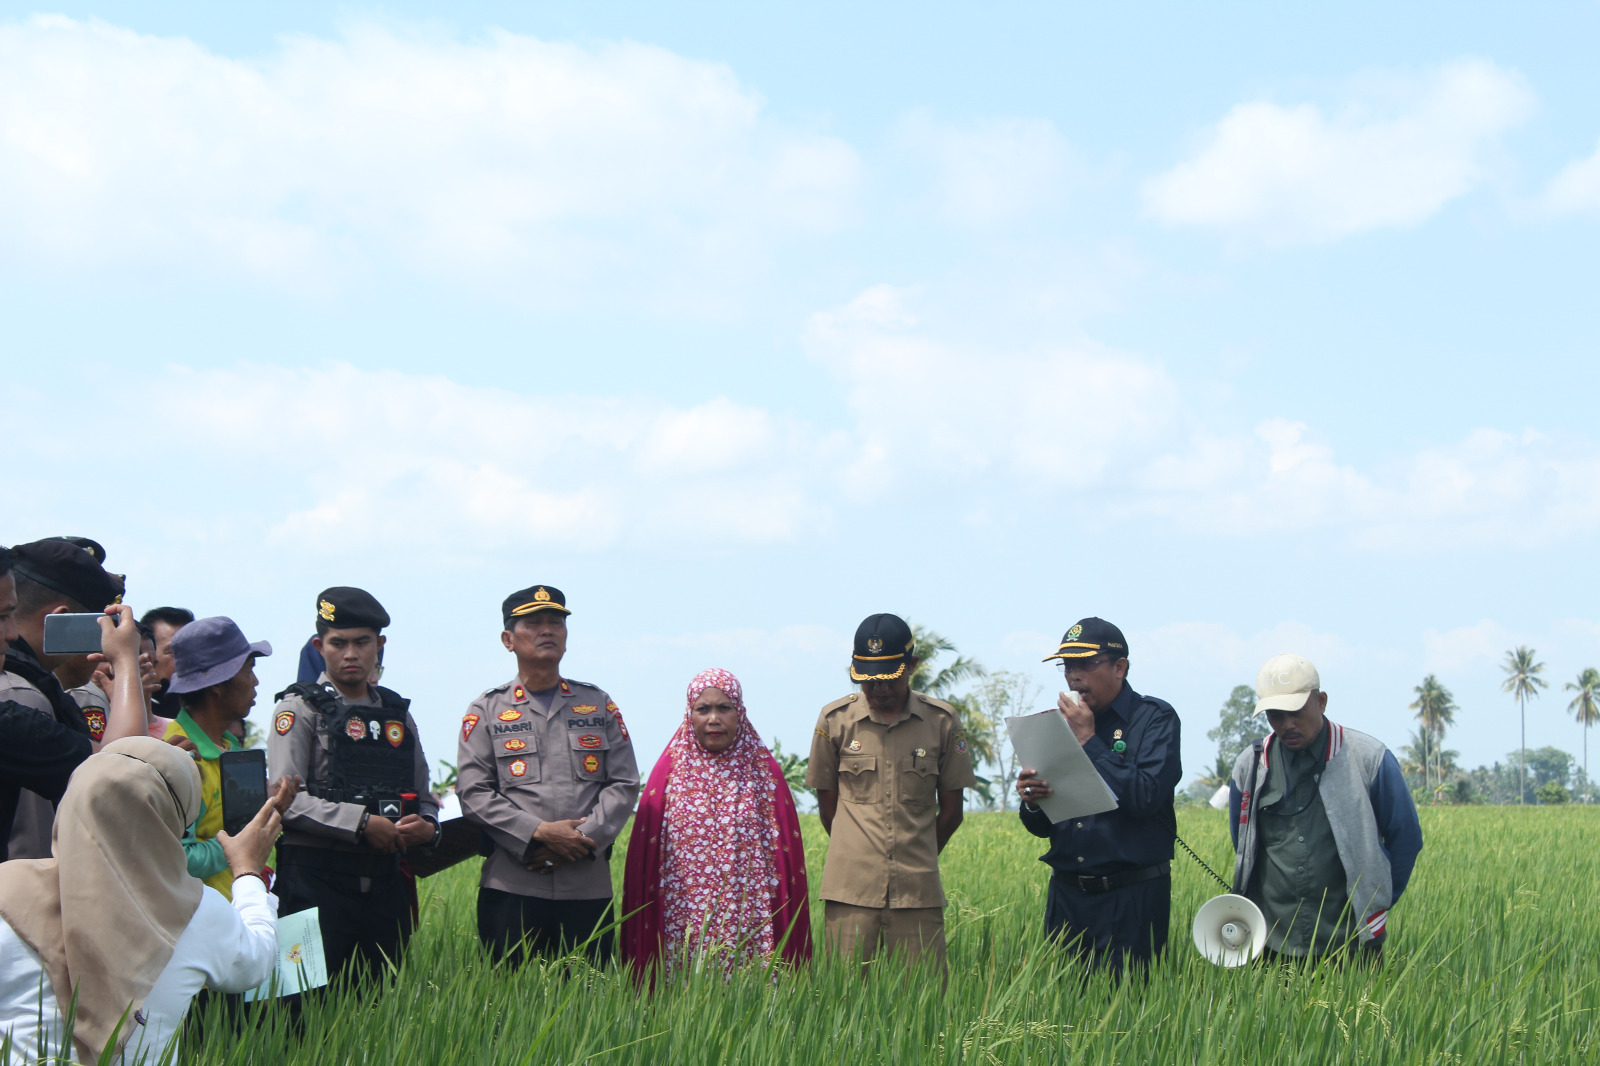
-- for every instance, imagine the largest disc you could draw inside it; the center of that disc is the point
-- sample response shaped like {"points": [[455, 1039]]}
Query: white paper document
{"points": [[301, 964], [1044, 743]]}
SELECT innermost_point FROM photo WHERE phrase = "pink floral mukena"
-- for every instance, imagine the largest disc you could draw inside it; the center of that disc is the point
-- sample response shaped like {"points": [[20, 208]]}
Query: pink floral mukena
{"points": [[716, 866]]}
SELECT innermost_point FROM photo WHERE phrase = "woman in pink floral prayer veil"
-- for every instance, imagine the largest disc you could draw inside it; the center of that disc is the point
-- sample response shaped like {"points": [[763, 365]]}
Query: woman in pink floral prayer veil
{"points": [[716, 867]]}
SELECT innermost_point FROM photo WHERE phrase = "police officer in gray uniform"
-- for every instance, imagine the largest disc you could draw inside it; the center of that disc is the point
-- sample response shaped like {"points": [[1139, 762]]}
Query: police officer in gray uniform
{"points": [[366, 796], [547, 770]]}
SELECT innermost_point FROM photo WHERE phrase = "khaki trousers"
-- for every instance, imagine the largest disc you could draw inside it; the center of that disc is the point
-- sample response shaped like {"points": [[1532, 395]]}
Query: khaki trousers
{"points": [[914, 932]]}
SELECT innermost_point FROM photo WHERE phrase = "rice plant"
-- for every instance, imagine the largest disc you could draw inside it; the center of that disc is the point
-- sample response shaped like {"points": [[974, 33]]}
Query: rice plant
{"points": [[1494, 957]]}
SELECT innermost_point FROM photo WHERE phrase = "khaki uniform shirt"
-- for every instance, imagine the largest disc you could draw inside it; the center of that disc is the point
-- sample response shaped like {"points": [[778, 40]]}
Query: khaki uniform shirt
{"points": [[519, 765], [884, 850], [30, 829], [296, 746]]}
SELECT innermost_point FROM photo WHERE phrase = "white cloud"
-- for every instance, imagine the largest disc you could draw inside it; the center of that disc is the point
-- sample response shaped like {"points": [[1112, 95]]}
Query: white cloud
{"points": [[925, 407], [1478, 645], [1392, 154], [305, 458], [991, 171], [533, 166], [1576, 190], [1103, 435]]}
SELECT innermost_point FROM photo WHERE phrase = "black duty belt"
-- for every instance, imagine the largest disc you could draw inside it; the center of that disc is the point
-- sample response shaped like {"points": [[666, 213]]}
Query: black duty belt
{"points": [[328, 860], [1120, 879]]}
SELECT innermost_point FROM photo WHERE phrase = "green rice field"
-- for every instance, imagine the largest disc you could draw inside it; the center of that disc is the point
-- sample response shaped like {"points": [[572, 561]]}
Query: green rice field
{"points": [[1494, 957]]}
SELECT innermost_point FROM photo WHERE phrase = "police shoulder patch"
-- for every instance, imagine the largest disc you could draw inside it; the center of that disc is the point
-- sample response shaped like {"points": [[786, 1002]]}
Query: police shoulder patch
{"points": [[97, 723], [468, 722], [284, 722]]}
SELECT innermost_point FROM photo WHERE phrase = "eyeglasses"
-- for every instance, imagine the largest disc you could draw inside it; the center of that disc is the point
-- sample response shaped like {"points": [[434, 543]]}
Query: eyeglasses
{"points": [[1070, 665]]}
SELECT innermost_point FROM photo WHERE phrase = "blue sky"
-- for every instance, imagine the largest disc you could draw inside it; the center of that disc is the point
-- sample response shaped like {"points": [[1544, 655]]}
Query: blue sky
{"points": [[1252, 330]]}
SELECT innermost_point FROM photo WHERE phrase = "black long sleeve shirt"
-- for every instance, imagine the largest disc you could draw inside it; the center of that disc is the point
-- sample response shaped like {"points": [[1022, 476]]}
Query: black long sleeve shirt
{"points": [[1143, 776], [37, 753]]}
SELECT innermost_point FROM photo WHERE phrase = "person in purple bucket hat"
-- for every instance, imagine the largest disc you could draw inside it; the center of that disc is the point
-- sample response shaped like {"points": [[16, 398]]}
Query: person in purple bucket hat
{"points": [[214, 678]]}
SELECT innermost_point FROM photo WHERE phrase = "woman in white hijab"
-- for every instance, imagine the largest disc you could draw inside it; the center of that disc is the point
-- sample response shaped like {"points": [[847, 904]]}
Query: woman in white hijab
{"points": [[115, 919]]}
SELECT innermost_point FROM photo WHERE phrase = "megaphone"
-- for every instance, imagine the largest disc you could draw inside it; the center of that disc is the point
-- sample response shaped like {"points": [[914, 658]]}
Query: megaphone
{"points": [[1230, 931]]}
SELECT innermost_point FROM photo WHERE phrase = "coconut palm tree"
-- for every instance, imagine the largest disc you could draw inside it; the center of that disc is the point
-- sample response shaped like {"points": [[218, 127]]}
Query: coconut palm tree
{"points": [[1436, 709], [1585, 707], [1523, 682]]}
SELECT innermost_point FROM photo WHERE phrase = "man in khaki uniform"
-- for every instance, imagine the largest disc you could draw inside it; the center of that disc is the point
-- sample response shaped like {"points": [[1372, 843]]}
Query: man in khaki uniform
{"points": [[547, 770], [888, 765]]}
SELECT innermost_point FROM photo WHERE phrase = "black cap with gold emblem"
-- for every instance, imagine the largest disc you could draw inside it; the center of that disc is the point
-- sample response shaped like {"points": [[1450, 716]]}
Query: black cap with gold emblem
{"points": [[883, 649], [527, 601], [342, 607], [1090, 637], [70, 568]]}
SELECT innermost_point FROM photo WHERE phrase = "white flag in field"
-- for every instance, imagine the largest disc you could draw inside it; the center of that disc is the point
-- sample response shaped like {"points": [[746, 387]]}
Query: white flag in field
{"points": [[301, 964]]}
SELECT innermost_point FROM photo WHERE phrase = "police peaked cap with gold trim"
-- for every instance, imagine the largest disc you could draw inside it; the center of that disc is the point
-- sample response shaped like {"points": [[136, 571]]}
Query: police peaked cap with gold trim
{"points": [[342, 607], [73, 569], [1090, 637], [883, 649], [530, 600]]}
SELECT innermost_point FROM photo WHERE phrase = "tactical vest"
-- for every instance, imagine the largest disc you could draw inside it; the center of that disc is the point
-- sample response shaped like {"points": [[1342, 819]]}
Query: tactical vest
{"points": [[371, 752]]}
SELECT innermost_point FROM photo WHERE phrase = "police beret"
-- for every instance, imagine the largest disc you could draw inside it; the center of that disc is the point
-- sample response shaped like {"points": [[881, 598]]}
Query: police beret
{"points": [[342, 607], [883, 648], [63, 566], [534, 598], [1089, 637]]}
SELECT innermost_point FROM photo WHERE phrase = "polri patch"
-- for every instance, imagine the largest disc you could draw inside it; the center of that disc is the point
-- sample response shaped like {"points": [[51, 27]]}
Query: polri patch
{"points": [[590, 740], [97, 723], [284, 722], [395, 733], [510, 714], [468, 723], [355, 727], [518, 767], [961, 745], [516, 745], [591, 764]]}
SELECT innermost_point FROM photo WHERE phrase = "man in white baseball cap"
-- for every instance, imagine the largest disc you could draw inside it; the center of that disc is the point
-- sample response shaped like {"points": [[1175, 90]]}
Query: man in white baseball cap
{"points": [[1322, 820]]}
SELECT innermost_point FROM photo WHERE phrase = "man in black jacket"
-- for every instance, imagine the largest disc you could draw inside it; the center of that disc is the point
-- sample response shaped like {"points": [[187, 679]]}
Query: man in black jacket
{"points": [[43, 734], [1111, 888]]}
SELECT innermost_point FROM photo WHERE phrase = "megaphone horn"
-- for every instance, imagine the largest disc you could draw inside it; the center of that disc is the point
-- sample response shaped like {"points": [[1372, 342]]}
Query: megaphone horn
{"points": [[1230, 931]]}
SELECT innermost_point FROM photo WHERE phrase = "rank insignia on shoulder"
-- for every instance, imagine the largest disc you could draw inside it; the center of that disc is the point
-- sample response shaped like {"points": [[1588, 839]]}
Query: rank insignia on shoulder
{"points": [[583, 708], [566, 689], [97, 723], [589, 740], [284, 722], [468, 722], [355, 727], [854, 745], [510, 714], [519, 694], [591, 764], [518, 767], [516, 745], [395, 733], [622, 726]]}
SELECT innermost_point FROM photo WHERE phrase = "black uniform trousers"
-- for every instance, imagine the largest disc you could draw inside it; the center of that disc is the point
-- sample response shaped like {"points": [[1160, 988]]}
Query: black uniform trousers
{"points": [[509, 924], [1109, 929], [365, 921]]}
